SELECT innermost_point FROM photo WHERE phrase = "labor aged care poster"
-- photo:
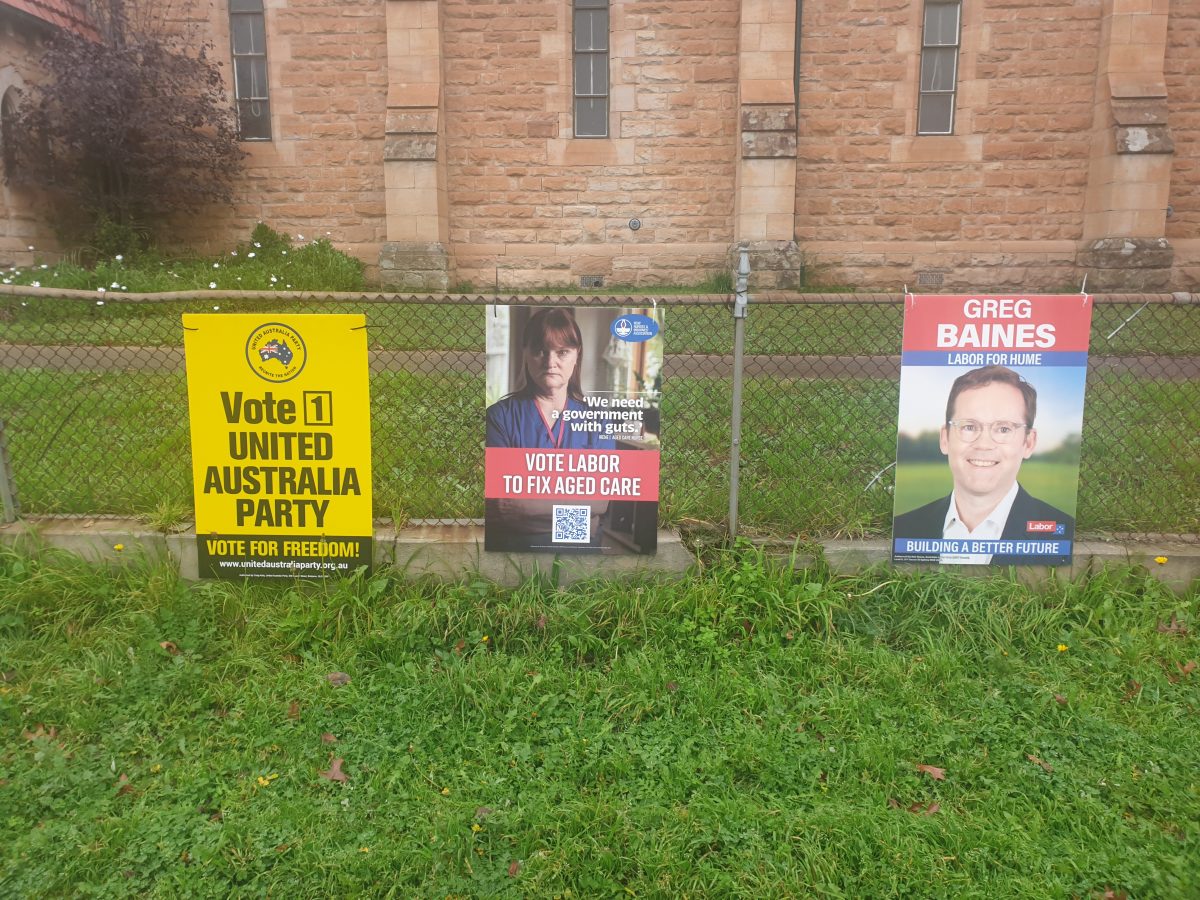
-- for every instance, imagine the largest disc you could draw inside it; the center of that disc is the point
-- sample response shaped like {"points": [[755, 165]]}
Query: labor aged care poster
{"points": [[572, 429], [281, 444], [990, 423]]}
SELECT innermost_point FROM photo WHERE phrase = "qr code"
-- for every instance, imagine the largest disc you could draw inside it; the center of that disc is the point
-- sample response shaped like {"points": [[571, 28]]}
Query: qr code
{"points": [[572, 525]]}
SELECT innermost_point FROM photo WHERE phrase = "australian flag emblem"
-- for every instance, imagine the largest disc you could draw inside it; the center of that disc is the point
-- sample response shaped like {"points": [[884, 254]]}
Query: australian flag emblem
{"points": [[276, 350]]}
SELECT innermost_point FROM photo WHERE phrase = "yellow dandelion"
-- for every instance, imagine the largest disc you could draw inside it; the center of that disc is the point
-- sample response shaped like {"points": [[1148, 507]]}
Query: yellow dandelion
{"points": [[476, 827], [120, 547], [484, 639], [1161, 560], [156, 768], [262, 782], [1063, 648], [364, 849], [445, 792]]}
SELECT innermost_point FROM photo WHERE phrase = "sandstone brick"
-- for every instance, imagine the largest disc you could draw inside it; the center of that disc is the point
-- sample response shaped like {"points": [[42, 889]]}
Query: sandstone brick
{"points": [[410, 147]]}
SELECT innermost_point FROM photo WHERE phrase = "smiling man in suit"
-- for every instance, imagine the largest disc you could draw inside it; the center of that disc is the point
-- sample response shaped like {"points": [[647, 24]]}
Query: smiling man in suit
{"points": [[987, 433]]}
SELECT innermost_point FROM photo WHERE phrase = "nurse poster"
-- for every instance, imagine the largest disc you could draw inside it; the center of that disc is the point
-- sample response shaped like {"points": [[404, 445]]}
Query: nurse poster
{"points": [[990, 428], [572, 429]]}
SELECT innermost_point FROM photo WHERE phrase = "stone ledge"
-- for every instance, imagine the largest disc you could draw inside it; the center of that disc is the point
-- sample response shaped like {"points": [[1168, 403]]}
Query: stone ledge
{"points": [[455, 552]]}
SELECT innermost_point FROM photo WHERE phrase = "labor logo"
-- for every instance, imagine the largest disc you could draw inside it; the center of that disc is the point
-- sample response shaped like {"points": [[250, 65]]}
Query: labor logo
{"points": [[275, 352]]}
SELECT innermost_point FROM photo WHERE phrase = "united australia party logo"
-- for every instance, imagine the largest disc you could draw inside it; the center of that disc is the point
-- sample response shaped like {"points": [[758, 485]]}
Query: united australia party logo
{"points": [[275, 352]]}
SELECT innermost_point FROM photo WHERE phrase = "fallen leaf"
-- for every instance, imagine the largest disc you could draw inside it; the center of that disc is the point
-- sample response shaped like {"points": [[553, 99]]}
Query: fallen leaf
{"points": [[459, 646], [927, 810], [1187, 669], [482, 812], [541, 622], [294, 709], [327, 738], [123, 785], [1060, 699], [932, 771], [1133, 689], [170, 647], [335, 772], [1173, 627], [1110, 894], [893, 803], [513, 868], [1040, 762], [672, 686], [338, 679], [40, 732]]}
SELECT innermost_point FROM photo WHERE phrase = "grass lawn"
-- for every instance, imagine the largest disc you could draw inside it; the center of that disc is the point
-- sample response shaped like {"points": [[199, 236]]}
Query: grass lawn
{"points": [[747, 731]]}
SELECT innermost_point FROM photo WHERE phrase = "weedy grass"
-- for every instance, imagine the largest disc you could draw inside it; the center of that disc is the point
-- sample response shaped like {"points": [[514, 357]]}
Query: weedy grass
{"points": [[750, 730]]}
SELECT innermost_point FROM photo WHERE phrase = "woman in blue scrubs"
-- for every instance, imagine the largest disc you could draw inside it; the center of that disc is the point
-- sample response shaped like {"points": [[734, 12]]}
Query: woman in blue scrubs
{"points": [[533, 415]]}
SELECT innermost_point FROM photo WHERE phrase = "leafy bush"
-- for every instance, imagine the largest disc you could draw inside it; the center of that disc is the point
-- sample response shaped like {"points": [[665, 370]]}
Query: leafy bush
{"points": [[127, 130]]}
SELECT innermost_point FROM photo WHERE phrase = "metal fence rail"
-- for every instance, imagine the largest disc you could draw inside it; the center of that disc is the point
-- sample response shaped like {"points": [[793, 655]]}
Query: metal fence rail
{"points": [[93, 400]]}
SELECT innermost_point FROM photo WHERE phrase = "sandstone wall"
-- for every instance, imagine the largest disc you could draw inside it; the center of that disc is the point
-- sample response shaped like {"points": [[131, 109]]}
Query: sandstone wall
{"points": [[1182, 65], [1000, 201], [531, 204], [322, 172], [21, 225]]}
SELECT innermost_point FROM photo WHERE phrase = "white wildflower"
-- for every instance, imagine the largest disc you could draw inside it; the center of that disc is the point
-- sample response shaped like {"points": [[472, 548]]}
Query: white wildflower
{"points": [[250, 255], [212, 284]]}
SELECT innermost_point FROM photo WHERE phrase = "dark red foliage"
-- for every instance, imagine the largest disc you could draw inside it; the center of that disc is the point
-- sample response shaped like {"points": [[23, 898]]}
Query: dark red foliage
{"points": [[131, 129]]}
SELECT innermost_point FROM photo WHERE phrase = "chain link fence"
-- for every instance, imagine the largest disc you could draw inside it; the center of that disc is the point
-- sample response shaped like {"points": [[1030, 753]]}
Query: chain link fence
{"points": [[93, 406]]}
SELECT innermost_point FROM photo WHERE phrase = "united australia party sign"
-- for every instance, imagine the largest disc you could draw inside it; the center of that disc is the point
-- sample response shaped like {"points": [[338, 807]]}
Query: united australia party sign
{"points": [[281, 444], [990, 425]]}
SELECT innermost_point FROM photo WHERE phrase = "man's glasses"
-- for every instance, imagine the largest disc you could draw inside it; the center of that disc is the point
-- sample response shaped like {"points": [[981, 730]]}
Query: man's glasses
{"points": [[969, 430]]}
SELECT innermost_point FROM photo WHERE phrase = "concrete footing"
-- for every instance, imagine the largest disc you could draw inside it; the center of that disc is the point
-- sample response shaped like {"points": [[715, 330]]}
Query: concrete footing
{"points": [[455, 552]]}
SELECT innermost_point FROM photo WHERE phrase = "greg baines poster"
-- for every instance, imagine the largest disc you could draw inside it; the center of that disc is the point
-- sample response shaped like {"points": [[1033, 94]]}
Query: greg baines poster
{"points": [[990, 428], [572, 429]]}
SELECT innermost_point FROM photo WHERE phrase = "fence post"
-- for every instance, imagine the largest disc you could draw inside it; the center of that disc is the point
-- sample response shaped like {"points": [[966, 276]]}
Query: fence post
{"points": [[740, 302], [8, 488]]}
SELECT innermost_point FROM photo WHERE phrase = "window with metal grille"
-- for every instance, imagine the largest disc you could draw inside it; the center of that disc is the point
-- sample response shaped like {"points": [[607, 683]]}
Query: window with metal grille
{"points": [[591, 67], [939, 67], [248, 34]]}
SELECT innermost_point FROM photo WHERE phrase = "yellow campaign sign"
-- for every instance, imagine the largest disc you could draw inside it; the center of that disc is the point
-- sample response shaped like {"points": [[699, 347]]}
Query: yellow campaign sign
{"points": [[281, 443]]}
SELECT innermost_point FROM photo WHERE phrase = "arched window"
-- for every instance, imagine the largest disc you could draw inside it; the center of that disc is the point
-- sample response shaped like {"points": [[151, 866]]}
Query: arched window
{"points": [[8, 113]]}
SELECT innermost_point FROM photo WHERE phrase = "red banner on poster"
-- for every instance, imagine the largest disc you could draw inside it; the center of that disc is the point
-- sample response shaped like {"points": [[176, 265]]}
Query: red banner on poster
{"points": [[972, 322], [514, 473]]}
